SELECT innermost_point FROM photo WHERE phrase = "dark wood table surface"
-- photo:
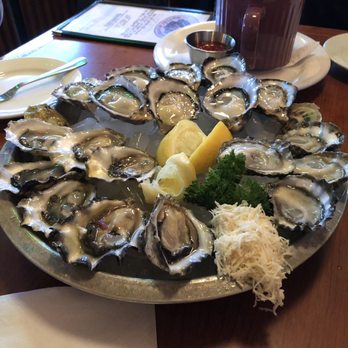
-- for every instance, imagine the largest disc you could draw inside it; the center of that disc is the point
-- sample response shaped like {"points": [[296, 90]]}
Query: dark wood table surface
{"points": [[315, 313]]}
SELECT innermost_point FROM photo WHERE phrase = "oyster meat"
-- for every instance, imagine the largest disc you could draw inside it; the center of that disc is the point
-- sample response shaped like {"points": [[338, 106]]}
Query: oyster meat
{"points": [[329, 166], [303, 114], [231, 98], [216, 69], [73, 150], [317, 137], [191, 74], [76, 92], [172, 101], [122, 99], [275, 97], [120, 163], [107, 227], [34, 135], [174, 238], [140, 75], [47, 210], [301, 202], [16, 176], [261, 157], [45, 113]]}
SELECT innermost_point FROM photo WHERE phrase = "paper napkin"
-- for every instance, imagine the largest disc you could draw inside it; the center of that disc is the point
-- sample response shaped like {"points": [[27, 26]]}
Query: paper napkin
{"points": [[64, 317]]}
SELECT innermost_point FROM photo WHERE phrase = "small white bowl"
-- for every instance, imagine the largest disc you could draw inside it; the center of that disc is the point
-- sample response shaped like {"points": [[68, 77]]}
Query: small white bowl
{"points": [[198, 44]]}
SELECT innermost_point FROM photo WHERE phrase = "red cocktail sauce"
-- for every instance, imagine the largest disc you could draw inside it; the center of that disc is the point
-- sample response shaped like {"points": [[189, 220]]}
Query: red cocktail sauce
{"points": [[211, 46]]}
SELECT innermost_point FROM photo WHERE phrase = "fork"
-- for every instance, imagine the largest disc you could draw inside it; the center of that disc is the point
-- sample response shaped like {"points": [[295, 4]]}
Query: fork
{"points": [[75, 63]]}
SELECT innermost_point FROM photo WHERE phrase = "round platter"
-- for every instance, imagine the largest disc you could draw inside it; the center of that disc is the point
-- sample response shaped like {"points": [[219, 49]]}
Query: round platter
{"points": [[135, 279]]}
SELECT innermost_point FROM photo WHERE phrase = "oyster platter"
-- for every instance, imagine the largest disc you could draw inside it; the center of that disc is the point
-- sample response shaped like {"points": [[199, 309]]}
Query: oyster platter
{"points": [[137, 187]]}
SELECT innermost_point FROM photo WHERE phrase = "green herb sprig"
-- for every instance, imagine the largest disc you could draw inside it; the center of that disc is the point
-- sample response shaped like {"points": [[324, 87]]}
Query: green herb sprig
{"points": [[226, 183]]}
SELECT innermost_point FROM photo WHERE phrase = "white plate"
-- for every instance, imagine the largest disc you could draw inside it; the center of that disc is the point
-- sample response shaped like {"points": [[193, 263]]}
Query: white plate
{"points": [[337, 48], [13, 71], [305, 73]]}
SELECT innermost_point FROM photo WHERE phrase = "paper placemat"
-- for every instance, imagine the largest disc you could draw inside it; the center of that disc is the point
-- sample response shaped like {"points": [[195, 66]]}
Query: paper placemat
{"points": [[66, 317]]}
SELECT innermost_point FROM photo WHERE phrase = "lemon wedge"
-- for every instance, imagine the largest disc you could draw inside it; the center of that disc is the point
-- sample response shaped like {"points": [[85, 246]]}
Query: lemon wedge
{"points": [[172, 179], [184, 137], [206, 153]]}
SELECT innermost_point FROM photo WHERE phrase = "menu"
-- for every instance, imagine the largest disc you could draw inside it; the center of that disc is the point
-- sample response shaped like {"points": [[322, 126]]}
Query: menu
{"points": [[113, 21]]}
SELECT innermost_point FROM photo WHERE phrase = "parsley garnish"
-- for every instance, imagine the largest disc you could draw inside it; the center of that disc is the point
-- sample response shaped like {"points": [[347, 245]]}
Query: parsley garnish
{"points": [[226, 184]]}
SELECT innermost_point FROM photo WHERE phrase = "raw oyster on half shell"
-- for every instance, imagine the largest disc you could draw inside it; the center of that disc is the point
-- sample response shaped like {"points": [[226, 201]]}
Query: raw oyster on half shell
{"points": [[34, 135], [301, 202], [191, 74], [329, 166], [121, 99], [174, 238], [45, 113], [76, 92], [140, 75], [47, 210], [231, 98], [172, 101], [107, 227], [261, 157], [120, 163], [275, 97], [16, 176], [317, 137], [303, 114], [73, 150], [217, 69]]}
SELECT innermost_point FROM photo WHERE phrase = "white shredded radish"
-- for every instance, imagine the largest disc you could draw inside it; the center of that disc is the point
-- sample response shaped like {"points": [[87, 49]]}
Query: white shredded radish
{"points": [[250, 251]]}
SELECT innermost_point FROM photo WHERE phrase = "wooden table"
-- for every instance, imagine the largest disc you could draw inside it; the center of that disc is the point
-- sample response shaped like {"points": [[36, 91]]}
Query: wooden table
{"points": [[316, 304]]}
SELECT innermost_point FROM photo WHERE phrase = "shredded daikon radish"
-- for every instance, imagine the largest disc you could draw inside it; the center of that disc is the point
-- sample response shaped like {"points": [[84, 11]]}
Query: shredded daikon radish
{"points": [[250, 251]]}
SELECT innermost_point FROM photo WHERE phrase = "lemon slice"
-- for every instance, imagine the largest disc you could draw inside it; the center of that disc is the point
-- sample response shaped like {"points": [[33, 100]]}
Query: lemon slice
{"points": [[177, 174], [184, 137], [205, 154]]}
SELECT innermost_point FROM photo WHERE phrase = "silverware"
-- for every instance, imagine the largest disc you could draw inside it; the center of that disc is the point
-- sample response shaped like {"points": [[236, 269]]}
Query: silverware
{"points": [[75, 63]]}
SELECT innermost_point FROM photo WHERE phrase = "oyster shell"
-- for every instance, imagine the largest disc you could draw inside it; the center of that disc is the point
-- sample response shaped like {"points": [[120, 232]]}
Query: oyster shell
{"points": [[16, 176], [329, 166], [216, 69], [172, 101], [45, 113], [107, 227], [303, 114], [122, 99], [34, 135], [231, 98], [73, 150], [120, 163], [174, 238], [301, 202], [76, 92], [47, 210], [261, 157], [191, 74], [275, 97], [140, 75], [317, 137]]}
